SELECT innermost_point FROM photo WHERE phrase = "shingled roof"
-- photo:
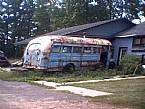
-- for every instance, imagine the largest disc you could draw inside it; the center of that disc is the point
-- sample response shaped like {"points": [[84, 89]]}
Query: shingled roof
{"points": [[74, 29], [70, 30], [137, 30], [66, 31]]}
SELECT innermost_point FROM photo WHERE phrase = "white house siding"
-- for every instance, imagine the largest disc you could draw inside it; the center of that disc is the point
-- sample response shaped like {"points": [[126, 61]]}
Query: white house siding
{"points": [[122, 42]]}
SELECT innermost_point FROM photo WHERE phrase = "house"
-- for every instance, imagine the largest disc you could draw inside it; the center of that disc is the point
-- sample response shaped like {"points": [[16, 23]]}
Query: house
{"points": [[130, 41], [126, 37]]}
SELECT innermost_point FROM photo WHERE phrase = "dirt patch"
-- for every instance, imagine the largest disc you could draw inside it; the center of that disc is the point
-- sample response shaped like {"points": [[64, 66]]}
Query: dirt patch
{"points": [[20, 95]]}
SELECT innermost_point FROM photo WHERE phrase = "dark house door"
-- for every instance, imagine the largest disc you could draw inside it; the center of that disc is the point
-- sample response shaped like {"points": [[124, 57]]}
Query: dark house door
{"points": [[122, 52]]}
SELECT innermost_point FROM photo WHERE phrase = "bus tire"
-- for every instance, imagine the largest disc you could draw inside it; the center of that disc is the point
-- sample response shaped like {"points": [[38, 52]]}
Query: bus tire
{"points": [[69, 68]]}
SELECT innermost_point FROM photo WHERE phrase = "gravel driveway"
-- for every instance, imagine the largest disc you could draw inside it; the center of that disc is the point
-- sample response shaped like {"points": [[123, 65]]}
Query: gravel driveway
{"points": [[20, 95]]}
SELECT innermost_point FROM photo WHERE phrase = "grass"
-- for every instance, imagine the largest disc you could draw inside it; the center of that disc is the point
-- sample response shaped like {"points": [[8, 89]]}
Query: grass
{"points": [[125, 92], [51, 77], [58, 77]]}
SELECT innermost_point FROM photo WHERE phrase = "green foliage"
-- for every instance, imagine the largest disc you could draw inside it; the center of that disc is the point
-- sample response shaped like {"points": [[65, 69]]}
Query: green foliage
{"points": [[41, 17], [74, 12], [132, 9], [99, 73], [56, 76], [22, 19], [20, 76], [129, 64], [16, 20]]}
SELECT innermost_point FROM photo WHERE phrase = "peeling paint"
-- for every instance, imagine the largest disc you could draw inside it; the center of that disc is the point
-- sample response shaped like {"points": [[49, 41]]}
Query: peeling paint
{"points": [[39, 55]]}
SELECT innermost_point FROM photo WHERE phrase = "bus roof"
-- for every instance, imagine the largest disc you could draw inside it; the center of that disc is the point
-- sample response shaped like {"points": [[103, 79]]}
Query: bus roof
{"points": [[71, 40]]}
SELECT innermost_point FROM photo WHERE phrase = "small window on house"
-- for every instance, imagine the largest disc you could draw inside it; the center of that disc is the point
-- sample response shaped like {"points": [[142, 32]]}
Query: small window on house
{"points": [[77, 49], [143, 41], [55, 49], [67, 49], [138, 41], [87, 50]]}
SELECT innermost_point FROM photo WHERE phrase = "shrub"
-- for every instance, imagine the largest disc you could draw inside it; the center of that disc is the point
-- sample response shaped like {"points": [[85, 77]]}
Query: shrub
{"points": [[130, 64]]}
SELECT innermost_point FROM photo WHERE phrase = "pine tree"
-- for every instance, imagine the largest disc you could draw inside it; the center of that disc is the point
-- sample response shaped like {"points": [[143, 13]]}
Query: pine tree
{"points": [[16, 19], [131, 9], [41, 17]]}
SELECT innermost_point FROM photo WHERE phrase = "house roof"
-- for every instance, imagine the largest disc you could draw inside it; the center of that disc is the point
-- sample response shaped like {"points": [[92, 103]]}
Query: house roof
{"points": [[23, 42], [74, 29], [66, 31], [137, 30], [70, 30]]}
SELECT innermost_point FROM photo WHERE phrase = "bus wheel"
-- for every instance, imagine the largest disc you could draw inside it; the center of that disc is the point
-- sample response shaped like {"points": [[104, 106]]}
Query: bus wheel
{"points": [[69, 68]]}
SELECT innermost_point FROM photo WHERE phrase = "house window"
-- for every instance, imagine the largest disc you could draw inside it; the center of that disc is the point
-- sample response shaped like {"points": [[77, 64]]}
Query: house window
{"points": [[143, 41], [138, 41]]}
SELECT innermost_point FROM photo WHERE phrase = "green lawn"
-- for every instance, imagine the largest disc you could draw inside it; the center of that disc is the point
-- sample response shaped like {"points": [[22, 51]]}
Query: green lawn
{"points": [[52, 77], [125, 92]]}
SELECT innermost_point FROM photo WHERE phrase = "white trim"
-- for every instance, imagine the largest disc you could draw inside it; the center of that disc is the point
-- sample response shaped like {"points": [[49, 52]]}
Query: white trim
{"points": [[127, 35]]}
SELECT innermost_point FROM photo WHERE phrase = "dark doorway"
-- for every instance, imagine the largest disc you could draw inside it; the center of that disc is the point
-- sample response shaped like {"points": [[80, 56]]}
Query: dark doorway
{"points": [[122, 52]]}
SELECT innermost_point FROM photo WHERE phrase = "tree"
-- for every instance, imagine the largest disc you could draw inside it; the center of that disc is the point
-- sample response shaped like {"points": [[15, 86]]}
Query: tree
{"points": [[115, 8], [98, 11], [131, 9], [41, 17], [74, 12], [2, 41], [16, 17], [142, 8]]}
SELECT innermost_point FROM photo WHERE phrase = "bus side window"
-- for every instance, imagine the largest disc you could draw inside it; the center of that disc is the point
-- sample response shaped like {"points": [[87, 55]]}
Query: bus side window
{"points": [[87, 50], [77, 49], [55, 49], [66, 49], [96, 49]]}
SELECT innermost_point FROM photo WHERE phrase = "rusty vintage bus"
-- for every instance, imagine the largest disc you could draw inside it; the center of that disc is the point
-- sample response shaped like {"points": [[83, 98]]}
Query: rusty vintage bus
{"points": [[64, 53]]}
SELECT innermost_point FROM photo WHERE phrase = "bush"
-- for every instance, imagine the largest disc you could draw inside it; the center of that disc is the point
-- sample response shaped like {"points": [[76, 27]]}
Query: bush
{"points": [[99, 73], [130, 64]]}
